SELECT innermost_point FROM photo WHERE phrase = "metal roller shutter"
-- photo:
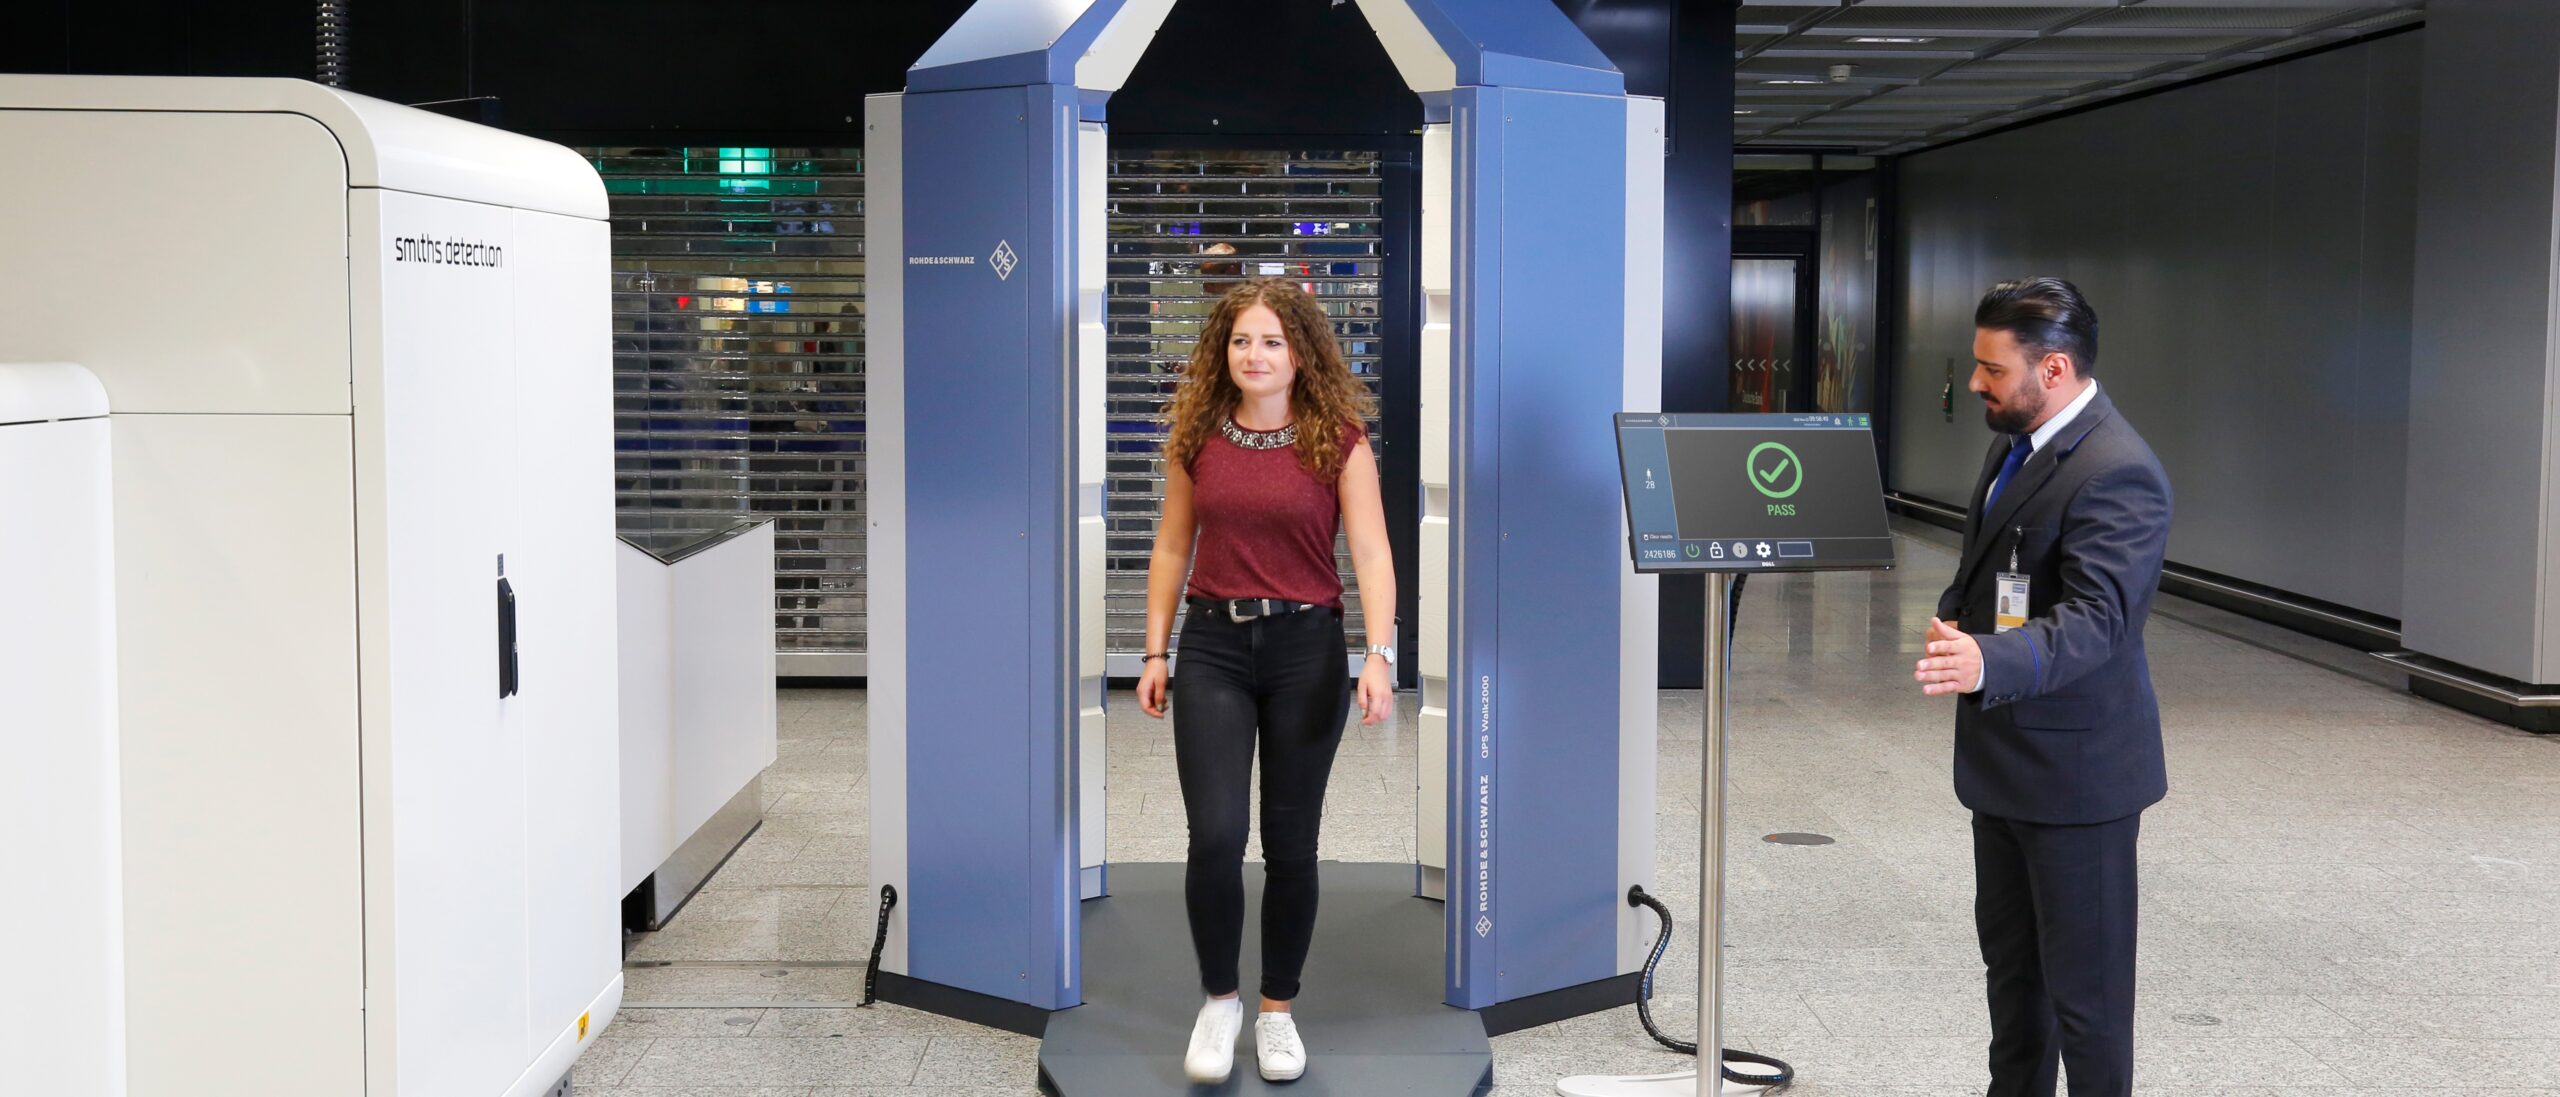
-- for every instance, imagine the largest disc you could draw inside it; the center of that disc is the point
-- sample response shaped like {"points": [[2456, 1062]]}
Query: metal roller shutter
{"points": [[738, 327], [738, 322], [1182, 225]]}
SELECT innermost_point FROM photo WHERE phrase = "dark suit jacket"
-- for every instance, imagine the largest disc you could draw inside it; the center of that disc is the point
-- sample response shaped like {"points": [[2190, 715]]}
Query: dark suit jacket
{"points": [[2065, 728]]}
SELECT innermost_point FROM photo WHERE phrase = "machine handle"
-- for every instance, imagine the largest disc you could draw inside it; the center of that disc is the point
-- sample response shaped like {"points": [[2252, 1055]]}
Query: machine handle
{"points": [[506, 638]]}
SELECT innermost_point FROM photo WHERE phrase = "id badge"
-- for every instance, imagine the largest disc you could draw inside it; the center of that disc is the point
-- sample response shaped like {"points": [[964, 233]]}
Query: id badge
{"points": [[2009, 605], [2009, 610]]}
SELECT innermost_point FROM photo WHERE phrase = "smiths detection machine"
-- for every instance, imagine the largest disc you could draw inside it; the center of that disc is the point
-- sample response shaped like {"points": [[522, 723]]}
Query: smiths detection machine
{"points": [[62, 1025], [357, 359]]}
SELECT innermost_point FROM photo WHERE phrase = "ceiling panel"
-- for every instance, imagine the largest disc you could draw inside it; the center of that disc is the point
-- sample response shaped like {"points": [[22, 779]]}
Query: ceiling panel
{"points": [[1856, 50], [2081, 69], [2131, 44], [1883, 68], [1893, 76], [1951, 18], [2219, 19], [2384, 21]]}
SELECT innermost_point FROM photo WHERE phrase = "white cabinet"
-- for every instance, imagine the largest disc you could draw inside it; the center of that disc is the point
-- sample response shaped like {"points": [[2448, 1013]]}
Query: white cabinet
{"points": [[62, 1023], [360, 354], [700, 719]]}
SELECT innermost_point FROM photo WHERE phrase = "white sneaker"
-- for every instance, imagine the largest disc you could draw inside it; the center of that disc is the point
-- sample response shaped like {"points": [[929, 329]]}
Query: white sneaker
{"points": [[1213, 1041], [1277, 1049]]}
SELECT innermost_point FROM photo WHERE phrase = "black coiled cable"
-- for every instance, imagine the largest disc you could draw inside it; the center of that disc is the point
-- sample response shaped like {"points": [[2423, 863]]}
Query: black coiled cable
{"points": [[331, 35], [1636, 897], [879, 941]]}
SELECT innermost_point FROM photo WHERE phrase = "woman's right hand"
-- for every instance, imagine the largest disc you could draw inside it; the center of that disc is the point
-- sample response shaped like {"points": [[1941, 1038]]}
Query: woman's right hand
{"points": [[1151, 687]]}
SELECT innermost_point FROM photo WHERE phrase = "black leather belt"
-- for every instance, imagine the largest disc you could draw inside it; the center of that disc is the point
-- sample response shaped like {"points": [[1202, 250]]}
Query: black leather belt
{"points": [[1241, 610]]}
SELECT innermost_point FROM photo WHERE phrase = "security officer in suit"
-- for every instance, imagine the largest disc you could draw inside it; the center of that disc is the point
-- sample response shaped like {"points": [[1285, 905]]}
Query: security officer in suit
{"points": [[2057, 747]]}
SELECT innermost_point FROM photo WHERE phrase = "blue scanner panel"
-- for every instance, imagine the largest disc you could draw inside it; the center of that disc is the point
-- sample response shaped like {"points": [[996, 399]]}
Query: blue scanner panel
{"points": [[1563, 255], [1517, 44], [989, 776], [1542, 268]]}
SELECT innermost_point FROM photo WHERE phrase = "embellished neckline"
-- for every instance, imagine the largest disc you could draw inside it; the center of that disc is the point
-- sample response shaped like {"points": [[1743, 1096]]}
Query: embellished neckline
{"points": [[1259, 439]]}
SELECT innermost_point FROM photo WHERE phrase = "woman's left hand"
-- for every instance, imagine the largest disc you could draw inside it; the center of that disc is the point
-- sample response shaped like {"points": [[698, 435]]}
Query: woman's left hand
{"points": [[1377, 692]]}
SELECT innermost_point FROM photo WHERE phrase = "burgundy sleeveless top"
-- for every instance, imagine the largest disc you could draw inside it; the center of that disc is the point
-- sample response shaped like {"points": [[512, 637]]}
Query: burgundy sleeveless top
{"points": [[1266, 524]]}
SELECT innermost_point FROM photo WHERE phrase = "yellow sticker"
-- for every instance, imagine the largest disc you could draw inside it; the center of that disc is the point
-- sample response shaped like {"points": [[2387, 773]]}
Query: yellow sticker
{"points": [[582, 1025]]}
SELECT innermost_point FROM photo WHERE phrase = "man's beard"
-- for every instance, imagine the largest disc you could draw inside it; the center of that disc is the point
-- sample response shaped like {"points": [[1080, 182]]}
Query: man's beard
{"points": [[2020, 410]]}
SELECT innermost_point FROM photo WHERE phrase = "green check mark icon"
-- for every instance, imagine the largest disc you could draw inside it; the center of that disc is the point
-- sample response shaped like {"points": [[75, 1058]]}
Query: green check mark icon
{"points": [[1765, 475]]}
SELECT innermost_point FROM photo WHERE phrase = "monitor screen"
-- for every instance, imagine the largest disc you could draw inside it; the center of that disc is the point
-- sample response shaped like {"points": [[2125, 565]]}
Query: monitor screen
{"points": [[1783, 492]]}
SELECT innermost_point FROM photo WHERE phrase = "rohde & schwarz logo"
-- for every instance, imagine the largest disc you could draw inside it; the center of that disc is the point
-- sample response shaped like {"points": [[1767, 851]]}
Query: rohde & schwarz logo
{"points": [[1002, 259]]}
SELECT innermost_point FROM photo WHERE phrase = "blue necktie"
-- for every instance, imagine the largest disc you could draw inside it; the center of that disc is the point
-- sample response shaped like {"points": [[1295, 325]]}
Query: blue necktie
{"points": [[2025, 445]]}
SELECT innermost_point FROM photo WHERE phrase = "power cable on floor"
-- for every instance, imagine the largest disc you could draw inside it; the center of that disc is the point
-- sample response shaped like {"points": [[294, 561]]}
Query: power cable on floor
{"points": [[1636, 897], [879, 941]]}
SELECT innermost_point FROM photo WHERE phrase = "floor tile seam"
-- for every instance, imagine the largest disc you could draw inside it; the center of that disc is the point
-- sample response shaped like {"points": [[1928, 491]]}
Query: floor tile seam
{"points": [[741, 965], [917, 1072], [2303, 1044], [796, 887], [1806, 1001], [633, 1067], [2320, 999]]}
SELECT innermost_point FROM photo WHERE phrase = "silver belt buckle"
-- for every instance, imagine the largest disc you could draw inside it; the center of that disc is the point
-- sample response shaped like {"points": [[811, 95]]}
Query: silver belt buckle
{"points": [[1235, 611]]}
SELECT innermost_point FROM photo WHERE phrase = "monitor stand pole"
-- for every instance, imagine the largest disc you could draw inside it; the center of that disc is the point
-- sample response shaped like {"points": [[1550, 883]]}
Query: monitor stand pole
{"points": [[1697, 1083]]}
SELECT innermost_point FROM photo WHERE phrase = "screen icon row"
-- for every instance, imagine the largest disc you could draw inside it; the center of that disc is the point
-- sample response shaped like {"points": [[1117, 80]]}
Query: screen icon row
{"points": [[1729, 550], [1747, 550]]}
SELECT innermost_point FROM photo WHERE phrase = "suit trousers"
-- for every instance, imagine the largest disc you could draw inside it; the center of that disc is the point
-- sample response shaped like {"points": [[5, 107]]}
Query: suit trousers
{"points": [[2055, 908], [1281, 683]]}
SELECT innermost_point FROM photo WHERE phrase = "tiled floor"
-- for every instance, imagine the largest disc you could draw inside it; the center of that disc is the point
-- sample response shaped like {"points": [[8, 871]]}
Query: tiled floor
{"points": [[2348, 891]]}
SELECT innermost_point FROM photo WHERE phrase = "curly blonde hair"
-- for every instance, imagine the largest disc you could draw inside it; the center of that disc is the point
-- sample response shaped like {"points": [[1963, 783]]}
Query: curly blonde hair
{"points": [[1326, 401]]}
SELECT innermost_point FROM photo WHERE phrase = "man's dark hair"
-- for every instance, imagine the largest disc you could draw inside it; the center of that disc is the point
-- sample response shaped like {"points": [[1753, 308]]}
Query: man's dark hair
{"points": [[2046, 316]]}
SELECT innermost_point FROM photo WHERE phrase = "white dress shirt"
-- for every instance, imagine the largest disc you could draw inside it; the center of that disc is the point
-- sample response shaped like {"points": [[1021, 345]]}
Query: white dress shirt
{"points": [[2054, 425], [2035, 445]]}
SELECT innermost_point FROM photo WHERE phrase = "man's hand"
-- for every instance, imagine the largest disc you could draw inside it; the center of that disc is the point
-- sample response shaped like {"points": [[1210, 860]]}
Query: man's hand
{"points": [[1954, 664]]}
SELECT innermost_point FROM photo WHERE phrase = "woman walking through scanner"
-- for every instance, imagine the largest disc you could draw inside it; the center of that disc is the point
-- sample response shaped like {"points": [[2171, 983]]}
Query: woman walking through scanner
{"points": [[1265, 458]]}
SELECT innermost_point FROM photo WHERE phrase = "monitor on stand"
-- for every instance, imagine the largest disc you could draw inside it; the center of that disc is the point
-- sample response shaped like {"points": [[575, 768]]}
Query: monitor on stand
{"points": [[1752, 493], [1727, 495]]}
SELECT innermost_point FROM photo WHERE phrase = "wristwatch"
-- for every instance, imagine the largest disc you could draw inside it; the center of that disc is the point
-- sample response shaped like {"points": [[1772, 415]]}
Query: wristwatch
{"points": [[1386, 652]]}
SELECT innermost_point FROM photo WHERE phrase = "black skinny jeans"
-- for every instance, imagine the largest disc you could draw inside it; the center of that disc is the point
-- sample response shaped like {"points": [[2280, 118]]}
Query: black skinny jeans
{"points": [[1287, 678]]}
